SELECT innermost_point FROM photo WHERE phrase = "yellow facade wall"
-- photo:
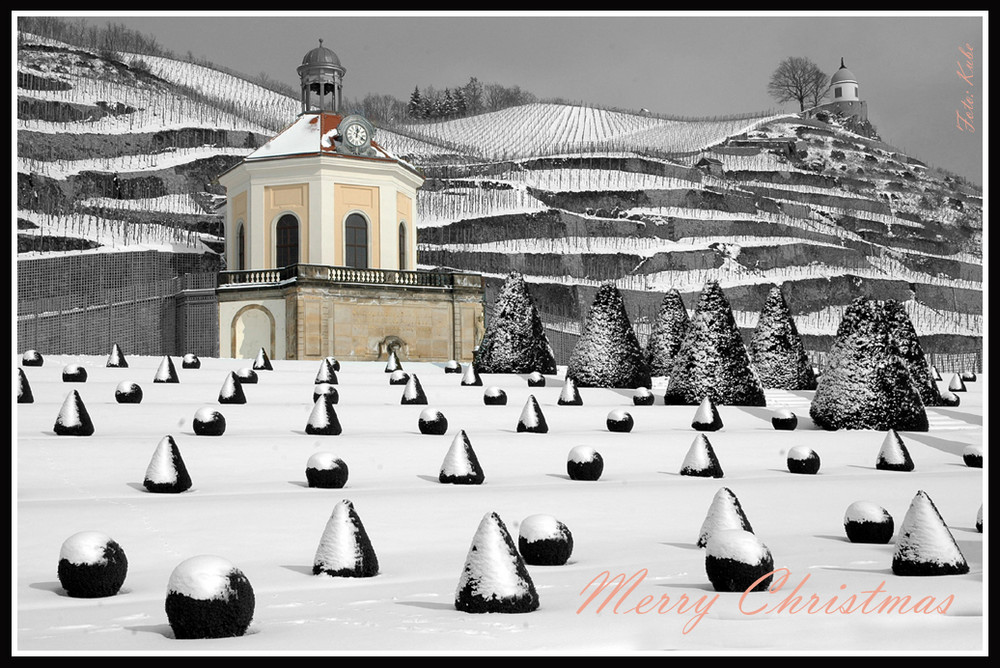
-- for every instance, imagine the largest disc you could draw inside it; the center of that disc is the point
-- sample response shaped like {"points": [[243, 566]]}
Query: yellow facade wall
{"points": [[238, 209], [404, 212], [349, 198]]}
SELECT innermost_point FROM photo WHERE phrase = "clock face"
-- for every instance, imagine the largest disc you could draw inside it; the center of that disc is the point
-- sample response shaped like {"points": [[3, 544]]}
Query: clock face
{"points": [[356, 135]]}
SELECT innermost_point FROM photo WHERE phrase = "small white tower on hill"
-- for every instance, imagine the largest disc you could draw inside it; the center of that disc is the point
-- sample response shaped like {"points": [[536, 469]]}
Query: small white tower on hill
{"points": [[844, 85]]}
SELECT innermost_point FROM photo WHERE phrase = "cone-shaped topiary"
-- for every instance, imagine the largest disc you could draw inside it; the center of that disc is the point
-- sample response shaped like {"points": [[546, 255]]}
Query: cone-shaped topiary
{"points": [[570, 394], [608, 354], [262, 362], [713, 360], [471, 377], [707, 417], [323, 419], [867, 522], [584, 463], [325, 388], [724, 513], [166, 473], [166, 373], [334, 362], [345, 551], [326, 471], [326, 373], [668, 332], [776, 349], [73, 418], [700, 460], [865, 385], [925, 546], [906, 346], [413, 393], [956, 384], [392, 363], [232, 391], [531, 419], [514, 341], [494, 578], [91, 565], [24, 395], [116, 359], [893, 455], [208, 597], [544, 541], [735, 560], [460, 465]]}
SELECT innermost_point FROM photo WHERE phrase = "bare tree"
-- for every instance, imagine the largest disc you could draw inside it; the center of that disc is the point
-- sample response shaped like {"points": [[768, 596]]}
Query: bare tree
{"points": [[799, 79]]}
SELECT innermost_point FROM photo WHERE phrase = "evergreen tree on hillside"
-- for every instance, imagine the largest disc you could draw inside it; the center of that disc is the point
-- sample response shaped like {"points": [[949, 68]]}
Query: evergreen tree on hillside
{"points": [[416, 105], [608, 354], [906, 345], [514, 341], [713, 360], [667, 335], [866, 385], [776, 348]]}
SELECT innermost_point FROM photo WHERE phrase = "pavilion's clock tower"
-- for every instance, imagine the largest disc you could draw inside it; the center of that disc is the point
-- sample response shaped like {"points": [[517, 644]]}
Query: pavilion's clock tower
{"points": [[321, 248]]}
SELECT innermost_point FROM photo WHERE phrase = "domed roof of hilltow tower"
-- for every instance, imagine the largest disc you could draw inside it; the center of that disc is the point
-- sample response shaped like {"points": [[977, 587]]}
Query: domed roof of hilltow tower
{"points": [[321, 56], [843, 74]]}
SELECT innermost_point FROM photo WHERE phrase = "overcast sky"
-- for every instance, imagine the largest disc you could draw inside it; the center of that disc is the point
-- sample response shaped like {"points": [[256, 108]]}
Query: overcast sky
{"points": [[906, 65]]}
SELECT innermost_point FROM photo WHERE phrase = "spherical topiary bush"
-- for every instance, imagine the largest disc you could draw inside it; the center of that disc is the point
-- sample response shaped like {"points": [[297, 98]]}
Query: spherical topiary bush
{"points": [[536, 379], [128, 392], [972, 455], [584, 463], [544, 541], [620, 421], [74, 373], [802, 459], [209, 422], [32, 358], [432, 422], [643, 397], [784, 420], [246, 375], [190, 361], [91, 565], [866, 522], [208, 597], [327, 471], [494, 396]]}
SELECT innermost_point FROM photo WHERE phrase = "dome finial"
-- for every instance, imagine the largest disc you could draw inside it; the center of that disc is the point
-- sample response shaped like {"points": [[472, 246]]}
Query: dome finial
{"points": [[321, 44], [842, 65]]}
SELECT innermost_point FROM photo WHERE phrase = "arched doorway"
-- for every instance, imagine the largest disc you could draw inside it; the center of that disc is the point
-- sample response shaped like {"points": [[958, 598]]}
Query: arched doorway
{"points": [[356, 241], [287, 241]]}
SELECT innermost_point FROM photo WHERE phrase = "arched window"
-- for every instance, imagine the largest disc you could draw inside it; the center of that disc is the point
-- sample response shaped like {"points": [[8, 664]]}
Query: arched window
{"points": [[356, 241], [402, 246], [241, 248], [287, 240]]}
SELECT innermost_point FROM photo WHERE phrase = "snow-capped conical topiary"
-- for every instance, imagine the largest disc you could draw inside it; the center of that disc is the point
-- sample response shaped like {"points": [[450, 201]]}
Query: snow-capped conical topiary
{"points": [[700, 460], [935, 374], [494, 396], [73, 418], [867, 522], [724, 513], [956, 384], [326, 374], [471, 376], [925, 546], [116, 359], [209, 422], [345, 551], [906, 346], [460, 465], [707, 418], [261, 362], [667, 334], [334, 362], [166, 473], [608, 354], [323, 419], [327, 471], [802, 459], [584, 463], [128, 392], [544, 541], [494, 578], [190, 361], [893, 455], [776, 349], [392, 363], [531, 419], [91, 565], [208, 597], [32, 358], [865, 385], [24, 395], [74, 373], [327, 389], [713, 360], [413, 393], [736, 559], [432, 422], [514, 340], [232, 391], [166, 373], [570, 395]]}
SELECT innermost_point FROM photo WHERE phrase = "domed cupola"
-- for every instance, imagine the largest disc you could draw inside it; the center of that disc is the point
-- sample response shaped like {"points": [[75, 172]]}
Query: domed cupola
{"points": [[321, 76], [844, 85]]}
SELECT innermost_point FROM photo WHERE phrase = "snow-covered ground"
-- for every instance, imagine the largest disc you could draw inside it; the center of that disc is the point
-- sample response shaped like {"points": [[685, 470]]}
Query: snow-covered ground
{"points": [[250, 505]]}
